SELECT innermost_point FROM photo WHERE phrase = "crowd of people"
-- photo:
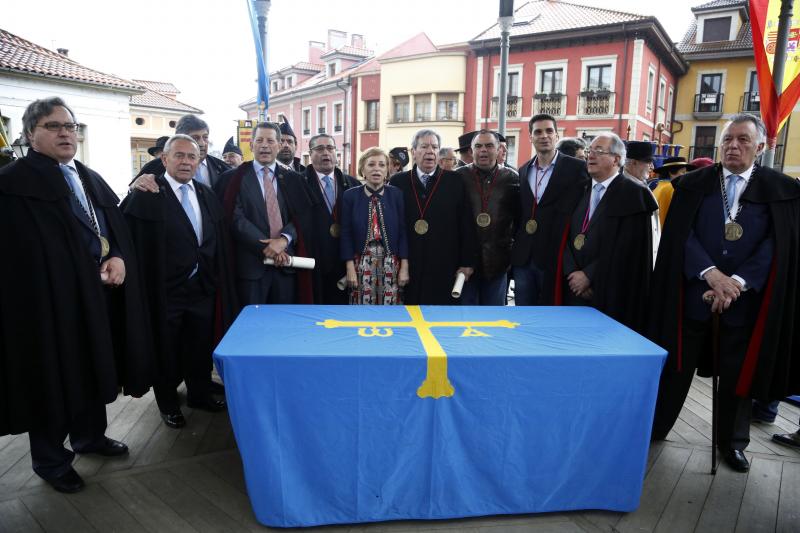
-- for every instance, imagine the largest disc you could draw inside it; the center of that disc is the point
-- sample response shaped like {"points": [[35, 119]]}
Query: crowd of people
{"points": [[127, 296]]}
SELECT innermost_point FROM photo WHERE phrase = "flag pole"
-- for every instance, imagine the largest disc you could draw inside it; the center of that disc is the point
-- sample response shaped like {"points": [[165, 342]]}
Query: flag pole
{"points": [[784, 22]]}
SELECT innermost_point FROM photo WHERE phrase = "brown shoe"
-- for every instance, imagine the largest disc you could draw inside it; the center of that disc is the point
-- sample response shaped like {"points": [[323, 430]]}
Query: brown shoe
{"points": [[788, 439]]}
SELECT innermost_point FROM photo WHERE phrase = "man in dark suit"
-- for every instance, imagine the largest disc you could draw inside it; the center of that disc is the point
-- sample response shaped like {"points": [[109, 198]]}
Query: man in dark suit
{"points": [[326, 184], [72, 314], [179, 238], [550, 183], [730, 246], [269, 214], [289, 148], [209, 169], [608, 254]]}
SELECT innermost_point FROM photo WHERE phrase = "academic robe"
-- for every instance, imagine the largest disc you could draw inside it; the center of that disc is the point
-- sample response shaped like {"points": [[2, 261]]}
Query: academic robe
{"points": [[770, 370], [450, 243], [146, 215], [68, 341]]}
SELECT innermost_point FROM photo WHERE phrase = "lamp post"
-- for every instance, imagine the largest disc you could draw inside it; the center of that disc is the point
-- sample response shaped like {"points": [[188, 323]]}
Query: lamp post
{"points": [[262, 12], [506, 20]]}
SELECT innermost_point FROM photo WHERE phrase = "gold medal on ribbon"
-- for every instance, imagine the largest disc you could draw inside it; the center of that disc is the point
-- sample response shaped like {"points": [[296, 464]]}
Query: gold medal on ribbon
{"points": [[733, 231], [335, 230], [421, 227], [483, 220], [531, 226], [105, 247], [580, 240]]}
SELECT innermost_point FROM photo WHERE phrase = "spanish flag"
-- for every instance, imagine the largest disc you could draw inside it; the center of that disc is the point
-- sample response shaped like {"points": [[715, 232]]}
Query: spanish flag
{"points": [[775, 109]]}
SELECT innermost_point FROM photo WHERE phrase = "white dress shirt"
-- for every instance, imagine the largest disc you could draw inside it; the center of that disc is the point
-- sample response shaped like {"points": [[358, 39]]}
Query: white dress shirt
{"points": [[175, 185]]}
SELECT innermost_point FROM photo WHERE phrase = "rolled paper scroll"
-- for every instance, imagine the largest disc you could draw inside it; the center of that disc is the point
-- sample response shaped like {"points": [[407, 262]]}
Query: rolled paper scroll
{"points": [[458, 285], [306, 263]]}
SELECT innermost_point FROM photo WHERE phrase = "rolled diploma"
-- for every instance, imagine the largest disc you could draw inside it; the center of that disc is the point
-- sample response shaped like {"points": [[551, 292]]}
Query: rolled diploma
{"points": [[342, 283], [458, 285], [306, 263]]}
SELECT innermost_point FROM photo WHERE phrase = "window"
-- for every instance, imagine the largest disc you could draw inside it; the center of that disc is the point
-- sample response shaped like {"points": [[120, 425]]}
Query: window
{"points": [[306, 121], [752, 98], [331, 69], [289, 81], [551, 81], [513, 82], [139, 121], [446, 107], [322, 118], [704, 139], [511, 144], [598, 77], [400, 105], [338, 117], [717, 29], [662, 92], [668, 114], [710, 98], [422, 107], [651, 84], [372, 115], [710, 83]]}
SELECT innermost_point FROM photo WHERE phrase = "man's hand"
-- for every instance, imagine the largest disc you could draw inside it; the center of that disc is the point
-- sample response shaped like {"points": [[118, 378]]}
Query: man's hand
{"points": [[468, 271], [403, 277], [726, 289], [112, 272], [145, 182], [579, 284], [352, 277], [275, 249]]}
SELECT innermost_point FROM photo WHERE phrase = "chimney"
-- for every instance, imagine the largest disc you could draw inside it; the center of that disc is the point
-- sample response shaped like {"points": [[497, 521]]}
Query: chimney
{"points": [[315, 49], [357, 41], [336, 38], [63, 51]]}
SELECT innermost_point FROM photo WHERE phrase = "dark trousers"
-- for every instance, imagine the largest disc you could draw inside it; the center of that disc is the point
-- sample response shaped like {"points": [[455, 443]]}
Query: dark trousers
{"points": [[733, 414], [331, 295], [480, 291], [86, 432], [190, 328], [527, 284], [275, 287]]}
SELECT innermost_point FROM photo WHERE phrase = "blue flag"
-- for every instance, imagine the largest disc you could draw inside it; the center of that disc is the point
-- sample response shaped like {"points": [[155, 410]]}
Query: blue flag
{"points": [[261, 63]]}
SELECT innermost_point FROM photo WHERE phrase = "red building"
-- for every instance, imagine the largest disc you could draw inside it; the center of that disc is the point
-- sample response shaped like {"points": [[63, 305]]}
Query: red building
{"points": [[593, 69]]}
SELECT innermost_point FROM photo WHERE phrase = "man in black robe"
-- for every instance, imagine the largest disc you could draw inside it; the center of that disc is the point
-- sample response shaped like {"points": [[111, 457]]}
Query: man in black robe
{"points": [[181, 243], [730, 246], [607, 245], [326, 184], [440, 228], [289, 148], [71, 310]]}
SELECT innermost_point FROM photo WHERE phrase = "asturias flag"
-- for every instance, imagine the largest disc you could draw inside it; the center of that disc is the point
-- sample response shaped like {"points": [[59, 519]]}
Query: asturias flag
{"points": [[764, 23]]}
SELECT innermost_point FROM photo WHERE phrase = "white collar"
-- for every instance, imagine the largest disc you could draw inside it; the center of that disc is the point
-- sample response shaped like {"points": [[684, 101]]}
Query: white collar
{"points": [[175, 185], [746, 174]]}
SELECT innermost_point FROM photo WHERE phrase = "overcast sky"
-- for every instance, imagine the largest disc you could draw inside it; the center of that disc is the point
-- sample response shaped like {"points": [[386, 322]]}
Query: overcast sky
{"points": [[205, 47]]}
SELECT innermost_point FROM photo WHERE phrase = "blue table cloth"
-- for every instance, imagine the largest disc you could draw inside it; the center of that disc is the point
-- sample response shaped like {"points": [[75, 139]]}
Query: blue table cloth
{"points": [[349, 414]]}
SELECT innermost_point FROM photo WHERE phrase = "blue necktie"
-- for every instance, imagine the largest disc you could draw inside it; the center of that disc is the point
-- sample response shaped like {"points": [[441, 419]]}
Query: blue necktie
{"points": [[730, 190], [329, 193], [187, 207], [598, 194], [198, 175], [75, 184], [424, 180]]}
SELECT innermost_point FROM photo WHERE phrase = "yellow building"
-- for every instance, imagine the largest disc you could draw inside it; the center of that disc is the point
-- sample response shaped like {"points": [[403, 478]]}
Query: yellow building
{"points": [[421, 86], [721, 82]]}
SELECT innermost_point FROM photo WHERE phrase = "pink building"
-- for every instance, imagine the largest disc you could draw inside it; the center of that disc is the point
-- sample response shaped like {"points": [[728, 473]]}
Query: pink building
{"points": [[593, 69]]}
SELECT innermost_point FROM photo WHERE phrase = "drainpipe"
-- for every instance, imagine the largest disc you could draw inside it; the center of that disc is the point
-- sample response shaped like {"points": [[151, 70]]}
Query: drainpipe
{"points": [[344, 123], [657, 83], [624, 76]]}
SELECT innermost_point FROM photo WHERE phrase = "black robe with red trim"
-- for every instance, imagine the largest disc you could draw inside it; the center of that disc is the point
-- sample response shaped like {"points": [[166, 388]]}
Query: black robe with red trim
{"points": [[771, 369]]}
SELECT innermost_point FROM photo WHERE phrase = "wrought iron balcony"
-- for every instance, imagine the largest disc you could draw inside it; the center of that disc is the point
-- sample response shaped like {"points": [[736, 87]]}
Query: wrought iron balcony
{"points": [[596, 103], [708, 105], [513, 106], [751, 102], [553, 104]]}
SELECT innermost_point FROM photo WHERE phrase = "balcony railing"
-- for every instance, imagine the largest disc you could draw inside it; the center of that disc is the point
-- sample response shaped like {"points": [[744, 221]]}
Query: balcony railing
{"points": [[306, 131], [703, 151], [513, 107], [320, 130], [553, 104], [751, 102], [596, 103], [708, 103], [337, 129]]}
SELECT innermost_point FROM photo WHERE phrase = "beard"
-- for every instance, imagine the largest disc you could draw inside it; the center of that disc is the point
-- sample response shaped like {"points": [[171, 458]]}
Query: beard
{"points": [[286, 158]]}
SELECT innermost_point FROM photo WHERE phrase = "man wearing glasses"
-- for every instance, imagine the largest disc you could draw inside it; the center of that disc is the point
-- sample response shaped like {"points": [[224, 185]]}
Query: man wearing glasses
{"points": [[326, 184], [607, 258], [71, 311], [447, 159]]}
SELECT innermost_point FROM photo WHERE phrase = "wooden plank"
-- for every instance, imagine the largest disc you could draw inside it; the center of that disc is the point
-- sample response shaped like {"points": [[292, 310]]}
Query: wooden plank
{"points": [[228, 467], [145, 506], [759, 509], [191, 436], [658, 486], [600, 520], [129, 416], [137, 439], [688, 434], [762, 435], [54, 513], [16, 477], [656, 447], [788, 520], [103, 512], [702, 428], [15, 450], [157, 448], [15, 518], [199, 511], [686, 503], [216, 438]]}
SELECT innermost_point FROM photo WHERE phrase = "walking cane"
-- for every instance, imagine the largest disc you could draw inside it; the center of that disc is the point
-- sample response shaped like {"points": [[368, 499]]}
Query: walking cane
{"points": [[709, 299]]}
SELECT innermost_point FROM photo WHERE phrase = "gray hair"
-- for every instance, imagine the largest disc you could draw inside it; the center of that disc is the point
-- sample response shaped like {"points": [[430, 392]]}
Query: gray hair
{"points": [[571, 145], [424, 133], [189, 123], [38, 109], [444, 151], [312, 142], [485, 132], [617, 146], [268, 126], [740, 118], [179, 137]]}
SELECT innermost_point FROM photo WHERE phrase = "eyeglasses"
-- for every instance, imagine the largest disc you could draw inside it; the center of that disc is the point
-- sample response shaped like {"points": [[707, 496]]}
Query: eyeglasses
{"points": [[597, 151], [55, 127], [324, 148]]}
